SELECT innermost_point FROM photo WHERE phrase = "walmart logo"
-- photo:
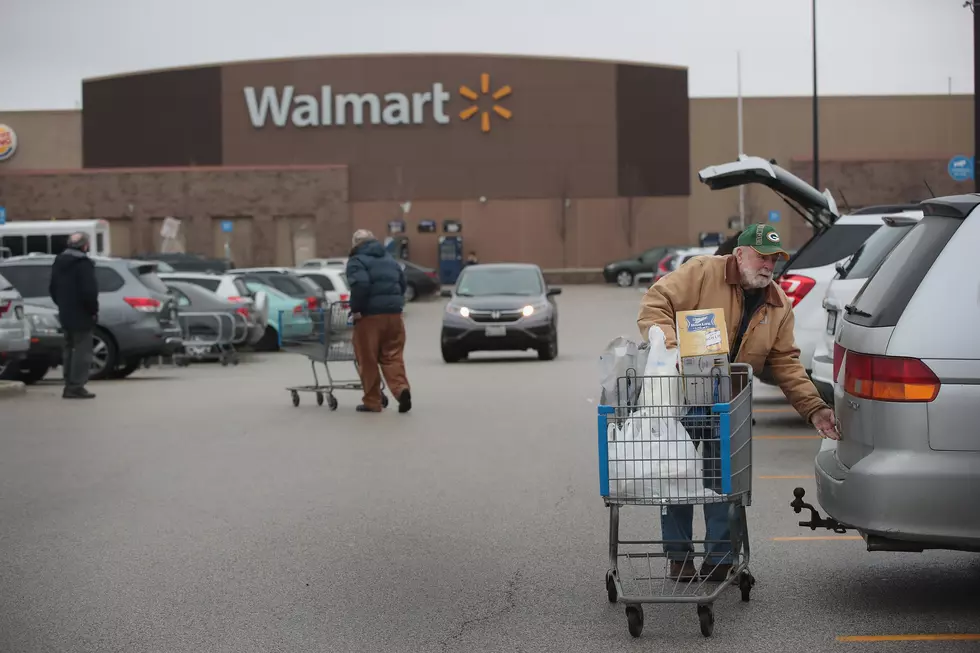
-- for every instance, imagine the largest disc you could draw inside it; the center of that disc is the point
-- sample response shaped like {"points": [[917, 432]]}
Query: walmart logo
{"points": [[474, 109]]}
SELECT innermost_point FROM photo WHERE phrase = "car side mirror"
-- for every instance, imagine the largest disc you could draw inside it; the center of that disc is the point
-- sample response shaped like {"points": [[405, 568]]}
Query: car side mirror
{"points": [[445, 292], [554, 291]]}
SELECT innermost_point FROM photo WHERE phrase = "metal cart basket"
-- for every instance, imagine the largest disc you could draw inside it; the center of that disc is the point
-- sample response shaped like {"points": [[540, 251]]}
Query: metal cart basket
{"points": [[210, 336], [673, 443], [324, 336]]}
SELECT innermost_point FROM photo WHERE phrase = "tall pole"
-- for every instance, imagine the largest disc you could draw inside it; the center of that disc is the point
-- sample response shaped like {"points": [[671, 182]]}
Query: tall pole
{"points": [[741, 146], [976, 87], [816, 114]]}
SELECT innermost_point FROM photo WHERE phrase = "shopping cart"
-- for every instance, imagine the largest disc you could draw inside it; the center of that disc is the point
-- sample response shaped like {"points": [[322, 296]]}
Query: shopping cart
{"points": [[210, 335], [677, 441], [324, 336]]}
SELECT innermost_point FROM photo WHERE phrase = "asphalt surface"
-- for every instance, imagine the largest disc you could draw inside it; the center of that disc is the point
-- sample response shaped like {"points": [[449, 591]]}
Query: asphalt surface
{"points": [[197, 510]]}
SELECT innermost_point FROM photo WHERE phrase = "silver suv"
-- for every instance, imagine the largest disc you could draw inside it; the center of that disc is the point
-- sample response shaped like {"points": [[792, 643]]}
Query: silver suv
{"points": [[137, 315], [906, 471], [15, 333]]}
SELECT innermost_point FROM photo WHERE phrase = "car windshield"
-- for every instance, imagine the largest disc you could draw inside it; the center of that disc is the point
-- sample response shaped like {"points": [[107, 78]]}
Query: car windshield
{"points": [[477, 282], [835, 244], [874, 250]]}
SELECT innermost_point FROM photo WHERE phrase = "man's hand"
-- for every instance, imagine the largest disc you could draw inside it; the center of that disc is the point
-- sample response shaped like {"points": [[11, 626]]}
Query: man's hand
{"points": [[825, 422]]}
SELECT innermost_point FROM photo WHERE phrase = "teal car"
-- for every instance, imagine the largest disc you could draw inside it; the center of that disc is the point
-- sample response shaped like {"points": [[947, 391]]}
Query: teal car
{"points": [[288, 316]]}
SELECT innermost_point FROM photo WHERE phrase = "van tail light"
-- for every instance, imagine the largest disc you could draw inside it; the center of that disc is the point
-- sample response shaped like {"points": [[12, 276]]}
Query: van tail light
{"points": [[663, 266], [432, 274], [242, 311], [311, 303], [5, 306], [888, 378], [143, 304], [236, 298], [796, 286], [344, 296], [838, 359]]}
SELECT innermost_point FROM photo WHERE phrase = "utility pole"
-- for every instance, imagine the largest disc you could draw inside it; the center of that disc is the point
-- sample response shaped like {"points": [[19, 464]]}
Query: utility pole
{"points": [[976, 87], [816, 114], [741, 145]]}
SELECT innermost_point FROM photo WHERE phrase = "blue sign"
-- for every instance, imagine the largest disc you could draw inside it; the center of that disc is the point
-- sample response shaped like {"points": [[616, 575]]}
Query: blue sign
{"points": [[227, 226], [774, 216], [961, 168], [3, 215]]}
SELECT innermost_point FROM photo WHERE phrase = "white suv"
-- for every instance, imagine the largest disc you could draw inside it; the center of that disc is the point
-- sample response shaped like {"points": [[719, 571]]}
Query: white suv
{"points": [[805, 277], [849, 277]]}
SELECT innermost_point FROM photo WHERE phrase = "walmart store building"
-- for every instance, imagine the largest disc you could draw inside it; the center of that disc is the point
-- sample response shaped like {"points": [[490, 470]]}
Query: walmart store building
{"points": [[562, 162]]}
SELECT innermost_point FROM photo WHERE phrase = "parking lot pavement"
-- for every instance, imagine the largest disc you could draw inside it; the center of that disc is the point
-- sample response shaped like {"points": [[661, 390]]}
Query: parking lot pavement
{"points": [[197, 510]]}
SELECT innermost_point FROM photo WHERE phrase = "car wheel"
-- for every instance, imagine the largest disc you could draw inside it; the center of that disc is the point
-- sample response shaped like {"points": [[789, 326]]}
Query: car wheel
{"points": [[33, 372], [550, 351], [410, 293], [9, 370], [127, 368], [269, 340], [624, 279], [451, 354], [105, 356]]}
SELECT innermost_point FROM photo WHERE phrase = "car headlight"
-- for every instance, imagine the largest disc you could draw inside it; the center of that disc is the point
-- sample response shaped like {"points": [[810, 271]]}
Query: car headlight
{"points": [[44, 324], [462, 311], [531, 309]]}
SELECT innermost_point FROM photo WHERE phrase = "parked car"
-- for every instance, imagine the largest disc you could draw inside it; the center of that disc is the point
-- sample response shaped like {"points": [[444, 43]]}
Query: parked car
{"points": [[906, 470], [805, 276], [235, 290], [188, 262], [15, 333], [623, 272], [137, 316], [841, 289], [289, 317], [421, 281], [331, 281], [286, 281], [47, 343], [671, 262], [339, 262], [238, 326], [499, 307]]}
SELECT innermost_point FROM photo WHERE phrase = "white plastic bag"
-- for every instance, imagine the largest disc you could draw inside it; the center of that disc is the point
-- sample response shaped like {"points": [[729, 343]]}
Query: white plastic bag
{"points": [[621, 360], [653, 456]]}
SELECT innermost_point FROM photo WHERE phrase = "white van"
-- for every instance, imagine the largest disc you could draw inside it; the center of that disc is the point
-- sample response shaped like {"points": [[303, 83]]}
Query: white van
{"points": [[23, 237]]}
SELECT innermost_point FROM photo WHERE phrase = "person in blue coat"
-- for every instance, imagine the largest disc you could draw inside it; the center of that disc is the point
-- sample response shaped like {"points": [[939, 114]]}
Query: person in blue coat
{"points": [[377, 299]]}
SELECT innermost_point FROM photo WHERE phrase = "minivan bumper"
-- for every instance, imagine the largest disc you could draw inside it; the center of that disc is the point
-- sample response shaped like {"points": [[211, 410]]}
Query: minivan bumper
{"points": [[927, 498]]}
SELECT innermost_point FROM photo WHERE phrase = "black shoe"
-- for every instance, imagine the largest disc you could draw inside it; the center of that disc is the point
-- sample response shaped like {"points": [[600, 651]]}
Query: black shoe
{"points": [[77, 393], [361, 408], [405, 401]]}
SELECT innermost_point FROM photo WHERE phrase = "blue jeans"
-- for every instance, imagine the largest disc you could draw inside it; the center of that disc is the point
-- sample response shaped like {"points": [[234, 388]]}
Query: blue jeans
{"points": [[677, 525]]}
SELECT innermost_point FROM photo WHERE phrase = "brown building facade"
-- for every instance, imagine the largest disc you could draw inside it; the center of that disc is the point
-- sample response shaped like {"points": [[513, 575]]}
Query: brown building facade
{"points": [[565, 163]]}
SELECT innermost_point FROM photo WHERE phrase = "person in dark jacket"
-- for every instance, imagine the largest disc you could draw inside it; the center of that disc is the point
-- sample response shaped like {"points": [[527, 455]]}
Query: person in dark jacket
{"points": [[74, 290], [377, 298]]}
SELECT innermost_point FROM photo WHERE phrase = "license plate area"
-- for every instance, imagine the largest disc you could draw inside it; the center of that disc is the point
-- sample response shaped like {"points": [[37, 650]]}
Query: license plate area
{"points": [[495, 331], [831, 322]]}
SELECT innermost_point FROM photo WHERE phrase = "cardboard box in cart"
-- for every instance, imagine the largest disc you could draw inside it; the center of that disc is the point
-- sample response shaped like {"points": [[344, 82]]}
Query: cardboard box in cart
{"points": [[702, 338]]}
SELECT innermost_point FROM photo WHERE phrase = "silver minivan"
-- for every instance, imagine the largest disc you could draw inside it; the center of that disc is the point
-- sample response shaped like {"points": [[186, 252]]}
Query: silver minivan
{"points": [[906, 471]]}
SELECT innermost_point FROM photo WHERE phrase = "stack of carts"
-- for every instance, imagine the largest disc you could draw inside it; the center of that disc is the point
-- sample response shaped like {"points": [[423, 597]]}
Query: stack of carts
{"points": [[210, 336], [325, 337], [677, 441]]}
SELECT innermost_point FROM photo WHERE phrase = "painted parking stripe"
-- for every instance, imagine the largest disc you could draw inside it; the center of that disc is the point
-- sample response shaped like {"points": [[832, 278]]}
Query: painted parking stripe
{"points": [[816, 538], [939, 637]]}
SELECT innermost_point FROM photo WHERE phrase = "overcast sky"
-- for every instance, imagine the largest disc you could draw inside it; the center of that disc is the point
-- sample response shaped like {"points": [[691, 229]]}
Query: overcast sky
{"points": [[870, 47]]}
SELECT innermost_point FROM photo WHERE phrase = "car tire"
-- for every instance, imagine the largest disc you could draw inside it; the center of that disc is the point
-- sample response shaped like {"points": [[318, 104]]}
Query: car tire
{"points": [[549, 352], [104, 348], [128, 367], [269, 340], [624, 278], [10, 370], [31, 373], [411, 292], [451, 354]]}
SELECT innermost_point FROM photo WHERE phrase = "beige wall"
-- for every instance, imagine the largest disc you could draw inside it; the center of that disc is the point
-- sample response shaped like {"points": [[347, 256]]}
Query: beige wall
{"points": [[46, 140]]}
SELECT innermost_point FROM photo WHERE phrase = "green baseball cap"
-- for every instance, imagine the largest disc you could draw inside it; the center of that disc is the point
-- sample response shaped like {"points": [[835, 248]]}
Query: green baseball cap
{"points": [[763, 239]]}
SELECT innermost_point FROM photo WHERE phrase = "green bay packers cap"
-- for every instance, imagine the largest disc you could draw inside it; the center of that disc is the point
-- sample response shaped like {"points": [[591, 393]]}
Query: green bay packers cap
{"points": [[763, 239]]}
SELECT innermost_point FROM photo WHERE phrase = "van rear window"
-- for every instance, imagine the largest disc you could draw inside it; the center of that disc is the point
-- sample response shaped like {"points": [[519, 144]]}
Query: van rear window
{"points": [[882, 300], [835, 244], [874, 250]]}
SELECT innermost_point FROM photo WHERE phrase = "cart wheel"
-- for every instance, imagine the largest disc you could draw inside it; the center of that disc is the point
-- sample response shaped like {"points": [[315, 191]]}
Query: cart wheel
{"points": [[634, 620], [332, 402], [746, 582], [611, 588], [295, 398], [707, 618], [319, 399], [384, 400]]}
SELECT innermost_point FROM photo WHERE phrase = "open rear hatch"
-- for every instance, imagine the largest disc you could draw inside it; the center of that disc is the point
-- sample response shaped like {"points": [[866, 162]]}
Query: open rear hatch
{"points": [[818, 209]]}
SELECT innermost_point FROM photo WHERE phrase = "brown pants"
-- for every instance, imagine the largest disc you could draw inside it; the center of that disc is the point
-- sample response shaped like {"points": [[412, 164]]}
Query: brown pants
{"points": [[379, 340]]}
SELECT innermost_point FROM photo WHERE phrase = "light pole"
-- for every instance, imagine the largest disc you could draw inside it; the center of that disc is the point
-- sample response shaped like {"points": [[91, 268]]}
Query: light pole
{"points": [[816, 114], [976, 87]]}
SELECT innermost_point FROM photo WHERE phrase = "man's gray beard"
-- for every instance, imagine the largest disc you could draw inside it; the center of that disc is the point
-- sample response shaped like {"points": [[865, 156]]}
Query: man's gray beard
{"points": [[755, 282]]}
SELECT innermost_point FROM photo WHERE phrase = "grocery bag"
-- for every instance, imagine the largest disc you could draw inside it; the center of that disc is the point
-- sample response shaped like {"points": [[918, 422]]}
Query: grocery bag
{"points": [[620, 366]]}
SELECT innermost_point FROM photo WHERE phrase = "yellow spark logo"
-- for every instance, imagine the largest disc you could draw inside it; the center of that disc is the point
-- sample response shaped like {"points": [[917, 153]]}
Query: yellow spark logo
{"points": [[472, 95]]}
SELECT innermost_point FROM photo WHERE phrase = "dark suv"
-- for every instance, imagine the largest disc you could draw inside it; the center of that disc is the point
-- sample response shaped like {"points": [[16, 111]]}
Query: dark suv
{"points": [[137, 315]]}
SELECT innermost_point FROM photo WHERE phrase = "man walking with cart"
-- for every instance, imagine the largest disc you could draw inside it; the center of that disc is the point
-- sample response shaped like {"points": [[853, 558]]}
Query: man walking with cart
{"points": [[760, 320], [76, 294], [377, 299]]}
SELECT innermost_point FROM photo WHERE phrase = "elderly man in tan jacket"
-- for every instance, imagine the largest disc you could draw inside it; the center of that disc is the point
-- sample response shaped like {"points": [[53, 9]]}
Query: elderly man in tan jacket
{"points": [[760, 321]]}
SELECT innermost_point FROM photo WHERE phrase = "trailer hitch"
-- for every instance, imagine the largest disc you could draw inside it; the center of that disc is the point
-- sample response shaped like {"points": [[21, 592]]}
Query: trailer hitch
{"points": [[816, 521]]}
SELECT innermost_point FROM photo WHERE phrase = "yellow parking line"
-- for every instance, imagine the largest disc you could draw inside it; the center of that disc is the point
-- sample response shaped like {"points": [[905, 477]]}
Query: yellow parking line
{"points": [[771, 478], [785, 437], [816, 538], [941, 637]]}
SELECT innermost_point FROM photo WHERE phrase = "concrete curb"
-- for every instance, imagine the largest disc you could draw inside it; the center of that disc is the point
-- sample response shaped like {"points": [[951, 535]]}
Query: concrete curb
{"points": [[11, 388]]}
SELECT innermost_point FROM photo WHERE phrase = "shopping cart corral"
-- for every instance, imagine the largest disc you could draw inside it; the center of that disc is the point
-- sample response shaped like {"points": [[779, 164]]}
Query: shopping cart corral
{"points": [[674, 443], [211, 336], [324, 336]]}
